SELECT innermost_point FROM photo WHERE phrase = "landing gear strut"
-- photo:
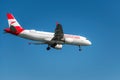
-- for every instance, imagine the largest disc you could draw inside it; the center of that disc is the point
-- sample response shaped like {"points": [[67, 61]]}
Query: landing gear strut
{"points": [[80, 49]]}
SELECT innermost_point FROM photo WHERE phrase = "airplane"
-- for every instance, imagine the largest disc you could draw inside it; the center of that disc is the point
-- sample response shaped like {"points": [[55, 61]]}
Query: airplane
{"points": [[54, 40]]}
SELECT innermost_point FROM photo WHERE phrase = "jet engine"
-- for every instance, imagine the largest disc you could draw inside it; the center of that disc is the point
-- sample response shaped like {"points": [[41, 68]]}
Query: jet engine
{"points": [[58, 46]]}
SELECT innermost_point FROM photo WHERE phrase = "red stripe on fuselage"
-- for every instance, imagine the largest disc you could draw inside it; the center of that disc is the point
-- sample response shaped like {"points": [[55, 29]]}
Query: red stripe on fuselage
{"points": [[72, 36]]}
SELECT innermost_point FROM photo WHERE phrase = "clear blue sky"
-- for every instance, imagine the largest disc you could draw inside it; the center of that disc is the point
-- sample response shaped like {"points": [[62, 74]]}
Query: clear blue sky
{"points": [[98, 20]]}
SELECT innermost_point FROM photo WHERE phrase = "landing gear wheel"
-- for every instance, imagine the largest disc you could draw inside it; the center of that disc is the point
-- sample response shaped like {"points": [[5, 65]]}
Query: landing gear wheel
{"points": [[80, 48], [48, 48]]}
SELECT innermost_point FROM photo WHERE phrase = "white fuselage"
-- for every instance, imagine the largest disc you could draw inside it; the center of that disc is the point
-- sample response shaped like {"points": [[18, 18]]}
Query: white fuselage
{"points": [[42, 36]]}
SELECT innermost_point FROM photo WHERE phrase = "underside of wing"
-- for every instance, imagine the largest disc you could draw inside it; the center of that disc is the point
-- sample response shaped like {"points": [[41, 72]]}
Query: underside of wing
{"points": [[59, 34], [58, 39]]}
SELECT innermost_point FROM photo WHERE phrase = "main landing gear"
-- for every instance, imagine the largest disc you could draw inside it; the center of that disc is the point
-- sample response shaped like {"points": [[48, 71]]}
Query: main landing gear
{"points": [[48, 48], [80, 49]]}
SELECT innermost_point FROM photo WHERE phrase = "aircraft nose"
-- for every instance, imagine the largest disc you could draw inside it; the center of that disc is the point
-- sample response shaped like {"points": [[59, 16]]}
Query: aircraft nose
{"points": [[89, 42]]}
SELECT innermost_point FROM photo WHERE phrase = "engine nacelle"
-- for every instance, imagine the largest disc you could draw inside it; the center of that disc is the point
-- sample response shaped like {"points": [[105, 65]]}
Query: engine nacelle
{"points": [[58, 46]]}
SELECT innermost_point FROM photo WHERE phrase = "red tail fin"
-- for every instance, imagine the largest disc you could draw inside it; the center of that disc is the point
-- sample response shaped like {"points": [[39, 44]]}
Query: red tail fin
{"points": [[14, 26]]}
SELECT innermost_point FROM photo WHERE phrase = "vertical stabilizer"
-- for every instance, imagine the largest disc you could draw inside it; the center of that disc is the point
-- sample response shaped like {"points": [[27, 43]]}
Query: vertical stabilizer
{"points": [[12, 21], [14, 26]]}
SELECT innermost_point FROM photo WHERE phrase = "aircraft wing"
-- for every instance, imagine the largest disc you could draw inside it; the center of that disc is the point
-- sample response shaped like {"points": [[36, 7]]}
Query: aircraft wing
{"points": [[58, 34]]}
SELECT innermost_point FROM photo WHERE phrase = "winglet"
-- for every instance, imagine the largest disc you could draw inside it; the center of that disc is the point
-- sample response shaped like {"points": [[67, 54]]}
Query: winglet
{"points": [[57, 23]]}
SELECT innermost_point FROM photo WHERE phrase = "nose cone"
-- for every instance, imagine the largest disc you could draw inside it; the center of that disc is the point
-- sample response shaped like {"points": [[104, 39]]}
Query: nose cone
{"points": [[87, 43]]}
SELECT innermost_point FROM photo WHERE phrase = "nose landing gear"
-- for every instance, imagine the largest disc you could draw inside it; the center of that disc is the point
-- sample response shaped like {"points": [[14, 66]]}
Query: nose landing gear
{"points": [[80, 49]]}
